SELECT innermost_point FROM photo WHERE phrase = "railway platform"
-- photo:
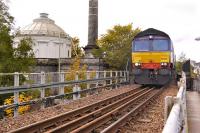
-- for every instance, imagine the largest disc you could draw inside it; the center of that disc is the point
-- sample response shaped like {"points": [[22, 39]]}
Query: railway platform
{"points": [[193, 111]]}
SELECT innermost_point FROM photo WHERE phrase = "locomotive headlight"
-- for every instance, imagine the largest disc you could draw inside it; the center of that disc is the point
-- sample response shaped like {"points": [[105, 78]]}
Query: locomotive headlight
{"points": [[137, 64], [163, 64]]}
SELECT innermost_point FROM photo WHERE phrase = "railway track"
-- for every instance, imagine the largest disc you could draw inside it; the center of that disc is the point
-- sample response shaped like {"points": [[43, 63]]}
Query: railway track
{"points": [[102, 116]]}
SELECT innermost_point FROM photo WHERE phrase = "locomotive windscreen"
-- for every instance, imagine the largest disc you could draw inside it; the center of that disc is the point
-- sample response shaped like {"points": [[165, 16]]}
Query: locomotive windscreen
{"points": [[151, 45]]}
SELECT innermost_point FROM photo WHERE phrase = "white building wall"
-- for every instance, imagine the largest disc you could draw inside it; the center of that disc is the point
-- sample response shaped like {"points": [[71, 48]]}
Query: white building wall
{"points": [[48, 47]]}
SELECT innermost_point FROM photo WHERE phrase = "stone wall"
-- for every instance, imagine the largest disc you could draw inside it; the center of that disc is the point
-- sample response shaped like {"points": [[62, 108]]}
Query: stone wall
{"points": [[51, 65]]}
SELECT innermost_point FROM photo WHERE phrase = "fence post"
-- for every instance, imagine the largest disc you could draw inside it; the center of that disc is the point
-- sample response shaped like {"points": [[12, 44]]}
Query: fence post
{"points": [[16, 93], [121, 77], [104, 76], [116, 79], [76, 89], [62, 79], [111, 77], [127, 76], [97, 76], [168, 106], [88, 83], [42, 90]]}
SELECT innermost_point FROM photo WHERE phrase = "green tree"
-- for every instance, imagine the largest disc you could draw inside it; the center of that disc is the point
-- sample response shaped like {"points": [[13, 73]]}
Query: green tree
{"points": [[76, 49], [116, 43], [181, 59], [12, 59]]}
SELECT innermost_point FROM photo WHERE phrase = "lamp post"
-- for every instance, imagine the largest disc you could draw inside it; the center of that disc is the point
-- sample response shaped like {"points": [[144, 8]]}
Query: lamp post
{"points": [[59, 61], [103, 55], [59, 55], [197, 38]]}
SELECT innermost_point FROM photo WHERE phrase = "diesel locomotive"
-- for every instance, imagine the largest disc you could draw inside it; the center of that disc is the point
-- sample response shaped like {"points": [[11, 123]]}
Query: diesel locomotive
{"points": [[153, 59]]}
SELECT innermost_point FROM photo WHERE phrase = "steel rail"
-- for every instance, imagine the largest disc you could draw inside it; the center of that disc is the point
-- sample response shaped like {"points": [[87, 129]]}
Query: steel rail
{"points": [[66, 117], [103, 116], [122, 121], [93, 115]]}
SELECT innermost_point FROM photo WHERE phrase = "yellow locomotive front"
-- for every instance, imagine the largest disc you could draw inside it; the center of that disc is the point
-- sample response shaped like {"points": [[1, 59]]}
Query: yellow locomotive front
{"points": [[152, 57]]}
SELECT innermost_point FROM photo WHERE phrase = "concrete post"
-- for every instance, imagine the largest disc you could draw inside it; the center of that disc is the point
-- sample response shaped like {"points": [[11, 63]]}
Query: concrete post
{"points": [[97, 82], [116, 79], [111, 77], [42, 90], [121, 77], [76, 88], [97, 77], [104, 76], [168, 106], [16, 93], [62, 79], [127, 76], [124, 76], [88, 84]]}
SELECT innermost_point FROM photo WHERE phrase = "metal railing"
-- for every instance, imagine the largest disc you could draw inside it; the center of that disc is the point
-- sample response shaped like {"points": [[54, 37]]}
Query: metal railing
{"points": [[175, 110], [99, 79]]}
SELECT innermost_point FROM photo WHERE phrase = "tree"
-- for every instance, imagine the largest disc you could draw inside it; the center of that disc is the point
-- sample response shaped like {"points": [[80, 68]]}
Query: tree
{"points": [[76, 49], [182, 58], [12, 59], [116, 43]]}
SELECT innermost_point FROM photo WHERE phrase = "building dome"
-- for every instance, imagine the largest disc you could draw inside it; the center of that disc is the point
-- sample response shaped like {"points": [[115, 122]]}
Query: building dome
{"points": [[49, 40], [43, 26]]}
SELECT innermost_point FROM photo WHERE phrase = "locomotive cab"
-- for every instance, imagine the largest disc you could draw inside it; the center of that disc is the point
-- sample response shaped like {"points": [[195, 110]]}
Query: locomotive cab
{"points": [[152, 57]]}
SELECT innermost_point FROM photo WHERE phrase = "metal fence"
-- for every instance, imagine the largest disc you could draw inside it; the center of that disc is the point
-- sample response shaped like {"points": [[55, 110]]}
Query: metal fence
{"points": [[83, 82], [175, 110]]}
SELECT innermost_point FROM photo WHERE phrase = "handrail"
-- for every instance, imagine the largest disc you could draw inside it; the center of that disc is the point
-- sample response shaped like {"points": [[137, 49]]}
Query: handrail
{"points": [[12, 89], [177, 120], [119, 77]]}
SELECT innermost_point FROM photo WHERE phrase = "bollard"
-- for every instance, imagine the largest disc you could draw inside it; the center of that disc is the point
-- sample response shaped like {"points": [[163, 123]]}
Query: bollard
{"points": [[16, 93], [168, 106], [62, 79], [42, 90]]}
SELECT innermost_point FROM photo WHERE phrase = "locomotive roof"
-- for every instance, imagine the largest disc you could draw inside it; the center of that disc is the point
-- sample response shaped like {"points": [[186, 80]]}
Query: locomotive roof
{"points": [[152, 31]]}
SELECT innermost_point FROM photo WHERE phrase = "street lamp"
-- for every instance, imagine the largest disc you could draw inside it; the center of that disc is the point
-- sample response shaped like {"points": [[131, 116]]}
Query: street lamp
{"points": [[197, 38], [103, 55]]}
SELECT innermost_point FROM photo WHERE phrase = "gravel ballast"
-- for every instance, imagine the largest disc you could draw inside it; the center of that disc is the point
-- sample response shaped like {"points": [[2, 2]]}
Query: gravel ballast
{"points": [[151, 120], [11, 123]]}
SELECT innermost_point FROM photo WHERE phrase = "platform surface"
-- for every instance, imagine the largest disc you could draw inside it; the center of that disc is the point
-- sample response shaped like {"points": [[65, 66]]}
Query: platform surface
{"points": [[193, 111]]}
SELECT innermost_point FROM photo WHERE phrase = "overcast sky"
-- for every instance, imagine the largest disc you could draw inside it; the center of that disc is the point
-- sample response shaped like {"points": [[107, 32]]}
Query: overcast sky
{"points": [[179, 18]]}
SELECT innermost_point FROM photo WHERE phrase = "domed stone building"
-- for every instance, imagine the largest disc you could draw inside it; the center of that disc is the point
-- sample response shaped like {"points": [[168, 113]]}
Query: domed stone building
{"points": [[50, 42], [47, 37]]}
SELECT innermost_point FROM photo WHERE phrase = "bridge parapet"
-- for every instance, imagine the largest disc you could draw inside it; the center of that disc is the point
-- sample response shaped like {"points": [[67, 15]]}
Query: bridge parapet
{"points": [[175, 110]]}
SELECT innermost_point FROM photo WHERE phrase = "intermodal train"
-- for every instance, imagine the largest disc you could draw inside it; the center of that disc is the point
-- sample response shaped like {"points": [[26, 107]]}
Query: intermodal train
{"points": [[153, 58]]}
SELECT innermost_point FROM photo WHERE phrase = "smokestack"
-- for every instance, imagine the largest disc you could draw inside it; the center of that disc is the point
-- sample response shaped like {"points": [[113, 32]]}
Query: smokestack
{"points": [[93, 22], [92, 27]]}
